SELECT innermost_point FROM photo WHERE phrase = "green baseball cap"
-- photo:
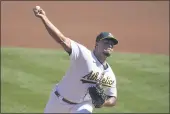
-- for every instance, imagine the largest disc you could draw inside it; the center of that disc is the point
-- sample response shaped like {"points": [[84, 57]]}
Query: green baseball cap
{"points": [[106, 35]]}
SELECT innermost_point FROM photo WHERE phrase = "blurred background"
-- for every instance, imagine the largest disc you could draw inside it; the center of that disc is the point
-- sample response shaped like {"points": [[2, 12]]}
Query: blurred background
{"points": [[140, 26]]}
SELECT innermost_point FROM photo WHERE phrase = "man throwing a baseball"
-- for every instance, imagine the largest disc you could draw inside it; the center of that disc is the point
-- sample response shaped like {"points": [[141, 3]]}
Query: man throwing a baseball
{"points": [[89, 81]]}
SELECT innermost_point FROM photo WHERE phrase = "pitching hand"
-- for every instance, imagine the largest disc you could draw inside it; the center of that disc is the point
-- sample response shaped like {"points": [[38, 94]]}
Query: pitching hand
{"points": [[39, 12]]}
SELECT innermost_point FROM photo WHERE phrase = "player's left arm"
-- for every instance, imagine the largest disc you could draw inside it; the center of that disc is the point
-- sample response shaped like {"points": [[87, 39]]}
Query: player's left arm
{"points": [[111, 92], [110, 102]]}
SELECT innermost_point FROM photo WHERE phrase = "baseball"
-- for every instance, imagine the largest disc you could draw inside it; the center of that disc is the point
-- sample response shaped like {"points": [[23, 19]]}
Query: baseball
{"points": [[37, 7]]}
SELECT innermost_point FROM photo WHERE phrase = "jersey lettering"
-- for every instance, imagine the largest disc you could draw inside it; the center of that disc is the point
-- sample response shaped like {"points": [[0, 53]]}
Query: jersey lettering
{"points": [[92, 77]]}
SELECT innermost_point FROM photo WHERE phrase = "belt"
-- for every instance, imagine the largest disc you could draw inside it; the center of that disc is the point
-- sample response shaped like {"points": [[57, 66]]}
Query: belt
{"points": [[63, 99]]}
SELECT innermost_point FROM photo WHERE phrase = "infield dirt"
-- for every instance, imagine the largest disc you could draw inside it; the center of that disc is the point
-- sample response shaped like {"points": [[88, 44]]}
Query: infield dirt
{"points": [[140, 26]]}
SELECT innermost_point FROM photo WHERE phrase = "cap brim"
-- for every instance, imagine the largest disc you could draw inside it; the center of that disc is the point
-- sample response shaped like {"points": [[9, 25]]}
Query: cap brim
{"points": [[112, 38]]}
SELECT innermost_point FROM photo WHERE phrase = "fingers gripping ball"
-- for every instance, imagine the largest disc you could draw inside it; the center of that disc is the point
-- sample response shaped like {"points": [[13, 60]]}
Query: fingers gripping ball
{"points": [[38, 11], [97, 95]]}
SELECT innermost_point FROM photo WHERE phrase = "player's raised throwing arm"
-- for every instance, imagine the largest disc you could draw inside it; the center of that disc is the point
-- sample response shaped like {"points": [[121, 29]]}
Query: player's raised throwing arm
{"points": [[52, 30]]}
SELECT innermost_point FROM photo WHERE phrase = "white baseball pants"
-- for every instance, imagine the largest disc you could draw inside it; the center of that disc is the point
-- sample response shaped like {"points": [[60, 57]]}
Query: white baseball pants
{"points": [[56, 105]]}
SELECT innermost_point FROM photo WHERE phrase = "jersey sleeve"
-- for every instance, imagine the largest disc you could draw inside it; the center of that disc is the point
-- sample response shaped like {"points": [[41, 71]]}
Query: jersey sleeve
{"points": [[77, 50], [112, 91]]}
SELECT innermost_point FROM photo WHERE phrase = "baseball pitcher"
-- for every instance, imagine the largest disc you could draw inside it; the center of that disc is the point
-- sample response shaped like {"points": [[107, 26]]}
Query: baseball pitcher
{"points": [[89, 81]]}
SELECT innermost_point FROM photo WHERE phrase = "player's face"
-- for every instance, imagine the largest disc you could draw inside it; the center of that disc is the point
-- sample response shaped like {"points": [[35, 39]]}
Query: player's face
{"points": [[106, 47]]}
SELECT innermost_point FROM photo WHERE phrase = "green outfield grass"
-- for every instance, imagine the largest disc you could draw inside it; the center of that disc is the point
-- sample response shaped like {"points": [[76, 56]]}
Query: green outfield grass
{"points": [[28, 75]]}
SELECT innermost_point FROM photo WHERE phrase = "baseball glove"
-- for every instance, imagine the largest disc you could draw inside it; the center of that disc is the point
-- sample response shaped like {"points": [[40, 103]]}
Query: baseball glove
{"points": [[97, 95]]}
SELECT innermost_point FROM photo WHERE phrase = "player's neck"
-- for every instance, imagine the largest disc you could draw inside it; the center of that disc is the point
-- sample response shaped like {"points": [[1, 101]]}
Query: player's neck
{"points": [[100, 57]]}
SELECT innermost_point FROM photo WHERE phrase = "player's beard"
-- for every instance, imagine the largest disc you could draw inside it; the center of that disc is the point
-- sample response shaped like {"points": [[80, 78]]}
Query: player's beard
{"points": [[107, 52]]}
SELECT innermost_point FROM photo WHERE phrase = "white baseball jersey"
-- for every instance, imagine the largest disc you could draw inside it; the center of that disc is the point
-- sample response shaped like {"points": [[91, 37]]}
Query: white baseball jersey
{"points": [[83, 72]]}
